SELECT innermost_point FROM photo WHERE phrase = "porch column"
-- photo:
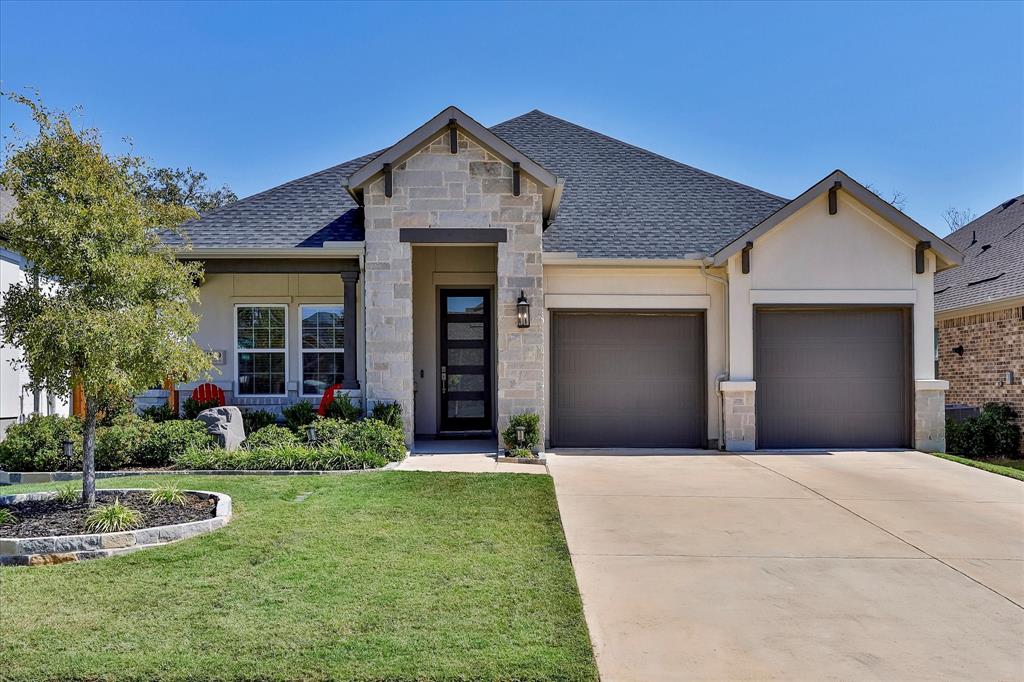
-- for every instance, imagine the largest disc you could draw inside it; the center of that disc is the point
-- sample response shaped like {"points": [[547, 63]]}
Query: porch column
{"points": [[350, 278]]}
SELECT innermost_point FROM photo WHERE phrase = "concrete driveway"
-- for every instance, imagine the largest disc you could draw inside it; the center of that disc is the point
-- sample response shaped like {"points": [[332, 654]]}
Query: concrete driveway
{"points": [[851, 565]]}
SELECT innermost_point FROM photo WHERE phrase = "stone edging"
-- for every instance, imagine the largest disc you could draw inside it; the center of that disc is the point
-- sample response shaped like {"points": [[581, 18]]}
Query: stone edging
{"points": [[16, 477], [521, 460], [59, 549]]}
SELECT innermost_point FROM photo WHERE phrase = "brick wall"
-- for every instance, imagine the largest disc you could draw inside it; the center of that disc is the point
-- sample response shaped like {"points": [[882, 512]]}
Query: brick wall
{"points": [[993, 344]]}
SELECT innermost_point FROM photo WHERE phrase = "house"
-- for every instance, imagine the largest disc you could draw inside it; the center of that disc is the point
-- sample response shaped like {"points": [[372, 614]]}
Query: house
{"points": [[979, 311], [473, 273], [17, 400]]}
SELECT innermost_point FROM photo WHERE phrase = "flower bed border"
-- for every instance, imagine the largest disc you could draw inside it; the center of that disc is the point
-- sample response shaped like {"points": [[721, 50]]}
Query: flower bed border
{"points": [[59, 549]]}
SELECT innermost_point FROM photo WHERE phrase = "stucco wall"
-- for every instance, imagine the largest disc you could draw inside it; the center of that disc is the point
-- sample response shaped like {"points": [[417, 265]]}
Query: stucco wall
{"points": [[219, 295], [629, 287], [434, 268]]}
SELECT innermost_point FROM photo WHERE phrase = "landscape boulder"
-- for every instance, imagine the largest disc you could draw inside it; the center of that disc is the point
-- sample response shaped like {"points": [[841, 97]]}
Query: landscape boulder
{"points": [[225, 424]]}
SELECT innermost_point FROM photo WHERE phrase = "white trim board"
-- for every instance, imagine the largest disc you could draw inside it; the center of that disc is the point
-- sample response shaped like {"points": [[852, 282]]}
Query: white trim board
{"points": [[833, 296], [628, 301]]}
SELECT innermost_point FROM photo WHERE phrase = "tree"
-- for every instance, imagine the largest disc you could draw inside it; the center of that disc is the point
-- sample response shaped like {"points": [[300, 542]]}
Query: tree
{"points": [[182, 188], [113, 313], [956, 217], [897, 198]]}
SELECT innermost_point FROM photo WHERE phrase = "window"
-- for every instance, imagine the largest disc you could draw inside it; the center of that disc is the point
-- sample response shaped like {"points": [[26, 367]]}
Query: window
{"points": [[261, 333], [323, 344]]}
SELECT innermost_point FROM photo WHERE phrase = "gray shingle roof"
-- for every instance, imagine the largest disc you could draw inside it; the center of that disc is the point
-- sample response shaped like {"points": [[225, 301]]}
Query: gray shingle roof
{"points": [[619, 201], [993, 269]]}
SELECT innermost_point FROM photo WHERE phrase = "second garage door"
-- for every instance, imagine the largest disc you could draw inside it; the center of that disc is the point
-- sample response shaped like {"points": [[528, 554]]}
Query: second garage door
{"points": [[832, 377], [628, 380]]}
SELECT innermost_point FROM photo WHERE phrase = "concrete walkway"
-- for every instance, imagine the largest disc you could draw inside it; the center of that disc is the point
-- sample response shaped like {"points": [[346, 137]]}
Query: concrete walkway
{"points": [[852, 565]]}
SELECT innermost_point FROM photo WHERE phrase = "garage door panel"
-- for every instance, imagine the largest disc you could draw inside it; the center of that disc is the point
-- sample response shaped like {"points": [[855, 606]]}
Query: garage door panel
{"points": [[628, 380], [832, 378]]}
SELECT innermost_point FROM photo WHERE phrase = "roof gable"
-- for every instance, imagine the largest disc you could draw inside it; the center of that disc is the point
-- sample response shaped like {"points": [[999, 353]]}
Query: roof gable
{"points": [[948, 256]]}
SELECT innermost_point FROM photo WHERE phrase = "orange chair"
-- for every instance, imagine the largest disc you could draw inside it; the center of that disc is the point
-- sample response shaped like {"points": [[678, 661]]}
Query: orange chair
{"points": [[328, 398], [207, 392]]}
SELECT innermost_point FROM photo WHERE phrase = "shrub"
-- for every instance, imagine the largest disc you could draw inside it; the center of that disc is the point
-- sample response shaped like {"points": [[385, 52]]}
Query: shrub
{"points": [[531, 436], [119, 445], [298, 415], [343, 408], [7, 517], [368, 435], [158, 413], [193, 407], [168, 439], [38, 444], [330, 457], [254, 420], [111, 518], [272, 435], [115, 407], [992, 433], [68, 494], [168, 493], [521, 452], [389, 413]]}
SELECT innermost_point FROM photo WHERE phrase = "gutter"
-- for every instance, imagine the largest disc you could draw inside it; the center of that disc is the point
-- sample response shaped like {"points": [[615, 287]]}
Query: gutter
{"points": [[723, 376]]}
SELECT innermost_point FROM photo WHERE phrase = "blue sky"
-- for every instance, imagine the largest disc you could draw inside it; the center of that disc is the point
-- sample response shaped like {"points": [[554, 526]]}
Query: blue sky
{"points": [[927, 99]]}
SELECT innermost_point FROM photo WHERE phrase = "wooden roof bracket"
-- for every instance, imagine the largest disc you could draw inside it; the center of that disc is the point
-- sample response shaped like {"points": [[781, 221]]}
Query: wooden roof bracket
{"points": [[833, 199], [919, 251], [453, 136], [745, 258]]}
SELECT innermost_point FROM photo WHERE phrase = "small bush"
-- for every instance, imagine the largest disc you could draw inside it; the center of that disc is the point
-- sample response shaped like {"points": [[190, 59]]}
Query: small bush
{"points": [[531, 436], [298, 415], [168, 493], [158, 413], [111, 518], [7, 517], [389, 413], [120, 445], [272, 435], [68, 494], [169, 439], [368, 435], [38, 444], [993, 433], [193, 407], [521, 452], [343, 408], [254, 420]]}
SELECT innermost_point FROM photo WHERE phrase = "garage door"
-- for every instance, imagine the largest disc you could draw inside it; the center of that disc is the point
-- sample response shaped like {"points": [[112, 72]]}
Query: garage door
{"points": [[628, 380], [832, 378]]}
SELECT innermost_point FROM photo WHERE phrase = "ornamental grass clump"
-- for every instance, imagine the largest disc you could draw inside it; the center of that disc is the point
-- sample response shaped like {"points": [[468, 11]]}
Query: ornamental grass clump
{"points": [[111, 518], [7, 517], [167, 494], [68, 494]]}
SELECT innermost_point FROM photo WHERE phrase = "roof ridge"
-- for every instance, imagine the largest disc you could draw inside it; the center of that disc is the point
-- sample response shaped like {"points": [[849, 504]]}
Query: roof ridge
{"points": [[648, 151]]}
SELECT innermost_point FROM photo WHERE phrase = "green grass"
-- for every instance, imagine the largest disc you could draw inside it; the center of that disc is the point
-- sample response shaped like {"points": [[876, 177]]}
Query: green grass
{"points": [[377, 576], [1014, 468]]}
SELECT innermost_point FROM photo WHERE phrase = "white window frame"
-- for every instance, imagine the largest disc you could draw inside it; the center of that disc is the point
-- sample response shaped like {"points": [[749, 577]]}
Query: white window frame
{"points": [[303, 351], [239, 351]]}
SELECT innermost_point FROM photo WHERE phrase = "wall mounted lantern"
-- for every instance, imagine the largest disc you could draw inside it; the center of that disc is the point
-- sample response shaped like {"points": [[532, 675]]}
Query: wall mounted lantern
{"points": [[959, 350], [522, 311]]}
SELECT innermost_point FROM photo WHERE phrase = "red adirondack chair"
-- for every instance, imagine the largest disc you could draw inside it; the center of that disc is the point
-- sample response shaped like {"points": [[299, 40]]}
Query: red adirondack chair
{"points": [[207, 392], [328, 398]]}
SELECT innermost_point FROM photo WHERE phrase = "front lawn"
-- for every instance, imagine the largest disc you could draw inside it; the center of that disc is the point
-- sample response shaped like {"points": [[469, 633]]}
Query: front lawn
{"points": [[377, 576], [1014, 468]]}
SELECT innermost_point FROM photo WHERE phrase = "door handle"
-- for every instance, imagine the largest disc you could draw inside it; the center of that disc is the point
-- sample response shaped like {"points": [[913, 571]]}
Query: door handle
{"points": [[444, 380]]}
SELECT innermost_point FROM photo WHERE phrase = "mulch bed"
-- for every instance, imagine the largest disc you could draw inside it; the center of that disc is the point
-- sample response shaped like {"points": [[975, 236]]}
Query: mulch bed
{"points": [[49, 517]]}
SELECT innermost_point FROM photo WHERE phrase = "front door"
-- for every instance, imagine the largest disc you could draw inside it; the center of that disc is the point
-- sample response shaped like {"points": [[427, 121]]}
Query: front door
{"points": [[465, 360]]}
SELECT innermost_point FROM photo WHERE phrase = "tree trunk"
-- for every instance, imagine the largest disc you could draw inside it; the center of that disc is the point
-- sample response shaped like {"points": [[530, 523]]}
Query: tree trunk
{"points": [[89, 453]]}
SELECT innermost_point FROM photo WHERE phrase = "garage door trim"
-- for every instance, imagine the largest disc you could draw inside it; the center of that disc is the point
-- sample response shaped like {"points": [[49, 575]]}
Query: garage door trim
{"points": [[908, 352], [634, 312]]}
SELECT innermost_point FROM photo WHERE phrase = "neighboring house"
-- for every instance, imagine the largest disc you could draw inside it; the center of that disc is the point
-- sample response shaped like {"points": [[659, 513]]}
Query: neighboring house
{"points": [[979, 311], [17, 401], [667, 307]]}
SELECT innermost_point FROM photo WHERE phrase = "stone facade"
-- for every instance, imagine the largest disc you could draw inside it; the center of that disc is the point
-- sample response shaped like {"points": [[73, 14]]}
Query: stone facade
{"points": [[437, 189], [993, 344], [930, 415], [738, 410]]}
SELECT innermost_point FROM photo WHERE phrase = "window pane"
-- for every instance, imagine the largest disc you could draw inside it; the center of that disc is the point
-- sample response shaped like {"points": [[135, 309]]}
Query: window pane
{"points": [[261, 327], [323, 327], [465, 382], [320, 371], [261, 373], [465, 304], [465, 408], [466, 356], [465, 330]]}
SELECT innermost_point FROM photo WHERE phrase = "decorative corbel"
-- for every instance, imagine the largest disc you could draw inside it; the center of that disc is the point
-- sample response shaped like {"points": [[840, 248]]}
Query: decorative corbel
{"points": [[453, 136], [515, 178], [745, 258], [388, 182], [833, 198]]}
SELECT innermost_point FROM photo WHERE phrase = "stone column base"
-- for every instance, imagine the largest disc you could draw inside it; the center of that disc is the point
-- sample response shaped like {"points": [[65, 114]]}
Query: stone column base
{"points": [[930, 415], [738, 409]]}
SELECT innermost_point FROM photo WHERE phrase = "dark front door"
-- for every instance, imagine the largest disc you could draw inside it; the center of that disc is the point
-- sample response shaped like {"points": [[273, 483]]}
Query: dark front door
{"points": [[465, 360]]}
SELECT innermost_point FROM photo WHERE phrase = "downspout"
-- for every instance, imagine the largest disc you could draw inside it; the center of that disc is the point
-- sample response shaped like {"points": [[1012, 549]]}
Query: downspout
{"points": [[723, 376]]}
